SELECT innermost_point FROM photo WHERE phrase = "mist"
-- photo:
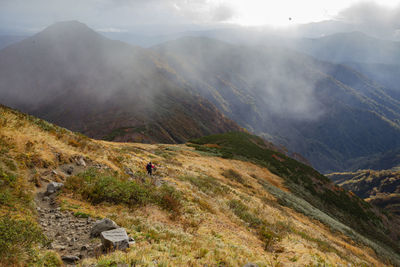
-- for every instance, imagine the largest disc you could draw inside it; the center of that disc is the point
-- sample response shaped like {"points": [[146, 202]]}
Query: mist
{"points": [[275, 82]]}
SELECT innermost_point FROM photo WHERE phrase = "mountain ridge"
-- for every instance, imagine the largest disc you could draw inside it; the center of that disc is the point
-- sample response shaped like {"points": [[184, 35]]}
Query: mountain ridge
{"points": [[81, 80], [201, 206], [259, 88]]}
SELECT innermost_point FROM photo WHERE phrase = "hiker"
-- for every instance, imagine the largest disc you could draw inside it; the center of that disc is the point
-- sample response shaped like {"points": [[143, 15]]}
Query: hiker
{"points": [[149, 168]]}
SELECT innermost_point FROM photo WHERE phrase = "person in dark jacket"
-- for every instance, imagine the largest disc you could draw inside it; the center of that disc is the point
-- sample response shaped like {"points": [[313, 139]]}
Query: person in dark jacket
{"points": [[149, 168]]}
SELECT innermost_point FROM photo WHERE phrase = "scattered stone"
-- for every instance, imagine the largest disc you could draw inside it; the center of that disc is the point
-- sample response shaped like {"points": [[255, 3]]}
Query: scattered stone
{"points": [[250, 265], [131, 241], [53, 187], [69, 170], [70, 259], [59, 247], [46, 199], [115, 239], [101, 226]]}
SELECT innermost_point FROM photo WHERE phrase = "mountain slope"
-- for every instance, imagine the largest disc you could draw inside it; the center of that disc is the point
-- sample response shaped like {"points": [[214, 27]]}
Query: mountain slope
{"points": [[331, 114], [380, 188], [198, 208], [6, 40], [72, 76], [351, 47]]}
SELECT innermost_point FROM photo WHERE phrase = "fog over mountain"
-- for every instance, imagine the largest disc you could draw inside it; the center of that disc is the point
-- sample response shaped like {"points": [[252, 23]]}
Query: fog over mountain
{"points": [[328, 90], [72, 76]]}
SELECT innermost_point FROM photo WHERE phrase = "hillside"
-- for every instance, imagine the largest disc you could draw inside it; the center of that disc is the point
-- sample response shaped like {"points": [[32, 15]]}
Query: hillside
{"points": [[331, 114], [70, 75], [351, 47], [220, 200], [380, 188]]}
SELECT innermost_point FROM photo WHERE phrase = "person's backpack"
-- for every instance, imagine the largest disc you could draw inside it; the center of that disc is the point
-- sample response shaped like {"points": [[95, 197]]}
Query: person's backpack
{"points": [[148, 167]]}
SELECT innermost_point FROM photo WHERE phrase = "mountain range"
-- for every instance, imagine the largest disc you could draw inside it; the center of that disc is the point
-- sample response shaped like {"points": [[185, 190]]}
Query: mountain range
{"points": [[72, 76], [380, 188], [333, 115], [329, 113]]}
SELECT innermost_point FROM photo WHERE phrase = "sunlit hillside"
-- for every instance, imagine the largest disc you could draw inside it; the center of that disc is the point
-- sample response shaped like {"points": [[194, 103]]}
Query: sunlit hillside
{"points": [[223, 200]]}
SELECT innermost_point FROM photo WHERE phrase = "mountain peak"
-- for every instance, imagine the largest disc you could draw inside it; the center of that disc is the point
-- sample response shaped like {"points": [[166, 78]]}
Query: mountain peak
{"points": [[68, 29], [68, 25]]}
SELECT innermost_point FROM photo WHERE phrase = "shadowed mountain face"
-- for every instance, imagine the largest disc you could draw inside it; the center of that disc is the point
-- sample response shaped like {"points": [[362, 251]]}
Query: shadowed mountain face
{"points": [[351, 47], [329, 113], [72, 76], [381, 188], [6, 40]]}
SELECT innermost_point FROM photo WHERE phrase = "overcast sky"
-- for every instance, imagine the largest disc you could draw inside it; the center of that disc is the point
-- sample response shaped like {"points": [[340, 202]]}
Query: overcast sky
{"points": [[137, 15]]}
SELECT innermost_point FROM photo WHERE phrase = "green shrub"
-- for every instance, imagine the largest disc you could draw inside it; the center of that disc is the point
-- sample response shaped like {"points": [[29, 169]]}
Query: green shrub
{"points": [[17, 240], [98, 187], [242, 211], [81, 214], [233, 175], [49, 259]]}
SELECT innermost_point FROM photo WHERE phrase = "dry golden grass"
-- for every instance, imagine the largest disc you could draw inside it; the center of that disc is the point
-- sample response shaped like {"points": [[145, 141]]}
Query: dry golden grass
{"points": [[207, 231]]}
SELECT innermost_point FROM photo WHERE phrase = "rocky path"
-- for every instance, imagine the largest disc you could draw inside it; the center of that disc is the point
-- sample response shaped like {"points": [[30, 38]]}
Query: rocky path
{"points": [[70, 235]]}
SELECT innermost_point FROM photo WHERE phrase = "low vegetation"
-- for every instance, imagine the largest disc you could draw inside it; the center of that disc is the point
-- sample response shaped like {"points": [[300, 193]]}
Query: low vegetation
{"points": [[303, 181], [97, 187], [207, 185], [195, 210], [18, 240]]}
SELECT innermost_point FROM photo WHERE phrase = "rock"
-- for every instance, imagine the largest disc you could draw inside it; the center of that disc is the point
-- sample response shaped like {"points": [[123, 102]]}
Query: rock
{"points": [[59, 247], [80, 161], [115, 239], [70, 259], [131, 241], [250, 265], [101, 226], [46, 199], [129, 171], [69, 170], [53, 187]]}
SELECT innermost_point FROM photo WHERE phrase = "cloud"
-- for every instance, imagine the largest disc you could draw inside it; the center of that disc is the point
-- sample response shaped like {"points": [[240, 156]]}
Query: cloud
{"points": [[223, 12], [118, 14], [111, 29], [371, 14]]}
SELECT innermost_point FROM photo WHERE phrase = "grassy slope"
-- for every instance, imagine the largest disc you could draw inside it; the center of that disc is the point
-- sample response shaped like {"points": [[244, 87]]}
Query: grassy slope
{"points": [[377, 187], [226, 211]]}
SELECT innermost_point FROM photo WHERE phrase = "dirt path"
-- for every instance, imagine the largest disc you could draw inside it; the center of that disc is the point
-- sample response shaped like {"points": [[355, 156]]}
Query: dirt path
{"points": [[70, 235]]}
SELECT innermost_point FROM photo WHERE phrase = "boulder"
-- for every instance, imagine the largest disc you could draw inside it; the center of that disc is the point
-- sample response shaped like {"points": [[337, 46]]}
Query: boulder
{"points": [[70, 259], [53, 187], [101, 226], [69, 170], [115, 239], [80, 162]]}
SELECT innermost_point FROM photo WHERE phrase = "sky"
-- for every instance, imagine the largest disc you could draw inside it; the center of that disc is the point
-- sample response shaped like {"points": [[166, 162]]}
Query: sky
{"points": [[131, 15]]}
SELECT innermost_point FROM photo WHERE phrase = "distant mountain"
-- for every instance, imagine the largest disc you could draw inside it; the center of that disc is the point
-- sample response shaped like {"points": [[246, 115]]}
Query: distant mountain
{"points": [[72, 76], [351, 47], [385, 74], [6, 40], [331, 114], [381, 188]]}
